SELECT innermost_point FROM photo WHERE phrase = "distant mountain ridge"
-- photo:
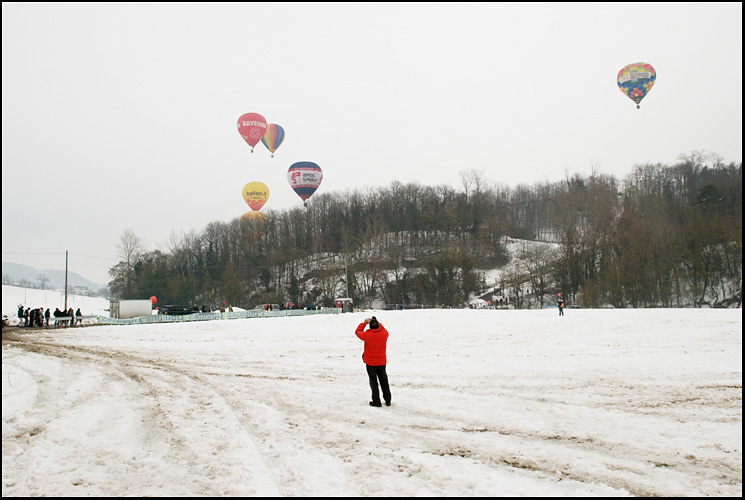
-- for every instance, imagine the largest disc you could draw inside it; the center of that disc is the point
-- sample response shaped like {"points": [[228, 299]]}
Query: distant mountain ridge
{"points": [[18, 272]]}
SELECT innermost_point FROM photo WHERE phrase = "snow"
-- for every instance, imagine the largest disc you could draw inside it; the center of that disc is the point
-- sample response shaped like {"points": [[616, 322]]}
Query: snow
{"points": [[608, 402], [13, 296]]}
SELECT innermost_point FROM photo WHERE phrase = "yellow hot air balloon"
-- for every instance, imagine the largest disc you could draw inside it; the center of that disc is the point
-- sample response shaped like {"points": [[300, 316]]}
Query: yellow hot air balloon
{"points": [[253, 216], [255, 194]]}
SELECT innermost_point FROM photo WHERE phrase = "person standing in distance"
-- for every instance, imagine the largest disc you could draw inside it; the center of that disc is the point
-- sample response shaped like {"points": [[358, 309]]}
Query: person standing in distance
{"points": [[375, 339]]}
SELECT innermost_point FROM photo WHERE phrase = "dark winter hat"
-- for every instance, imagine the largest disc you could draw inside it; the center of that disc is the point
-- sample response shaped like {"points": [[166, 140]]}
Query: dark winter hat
{"points": [[374, 322]]}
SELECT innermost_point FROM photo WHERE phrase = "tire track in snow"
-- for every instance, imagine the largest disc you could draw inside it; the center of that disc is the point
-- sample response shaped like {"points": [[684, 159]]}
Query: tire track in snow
{"points": [[76, 422], [286, 411], [596, 458], [214, 461]]}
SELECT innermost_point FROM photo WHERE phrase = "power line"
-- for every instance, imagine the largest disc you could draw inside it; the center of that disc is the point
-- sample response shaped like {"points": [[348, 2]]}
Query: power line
{"points": [[92, 256], [33, 253], [58, 253]]}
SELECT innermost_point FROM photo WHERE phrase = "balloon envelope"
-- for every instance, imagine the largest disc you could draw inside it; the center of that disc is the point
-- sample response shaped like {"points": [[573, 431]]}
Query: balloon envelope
{"points": [[636, 80], [253, 216], [255, 194], [273, 137], [252, 127], [153, 299], [304, 178]]}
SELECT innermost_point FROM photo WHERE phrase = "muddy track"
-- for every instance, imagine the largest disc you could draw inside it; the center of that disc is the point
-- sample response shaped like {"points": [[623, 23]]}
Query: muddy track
{"points": [[177, 406]]}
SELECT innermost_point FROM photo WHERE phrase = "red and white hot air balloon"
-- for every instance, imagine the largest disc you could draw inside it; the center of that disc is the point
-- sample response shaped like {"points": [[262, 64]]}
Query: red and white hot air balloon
{"points": [[252, 127]]}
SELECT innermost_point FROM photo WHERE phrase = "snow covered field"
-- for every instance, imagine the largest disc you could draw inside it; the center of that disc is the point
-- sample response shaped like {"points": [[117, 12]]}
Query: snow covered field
{"points": [[485, 403]]}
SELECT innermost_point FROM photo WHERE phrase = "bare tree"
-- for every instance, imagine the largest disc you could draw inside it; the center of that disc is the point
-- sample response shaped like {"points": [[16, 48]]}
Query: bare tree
{"points": [[43, 280], [537, 261], [130, 249]]}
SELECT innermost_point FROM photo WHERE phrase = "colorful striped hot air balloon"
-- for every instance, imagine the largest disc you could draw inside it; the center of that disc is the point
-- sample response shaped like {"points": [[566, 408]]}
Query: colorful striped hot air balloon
{"points": [[636, 80], [273, 137]]}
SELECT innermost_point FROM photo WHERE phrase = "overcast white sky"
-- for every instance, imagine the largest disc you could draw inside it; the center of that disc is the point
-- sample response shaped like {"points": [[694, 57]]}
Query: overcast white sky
{"points": [[123, 116]]}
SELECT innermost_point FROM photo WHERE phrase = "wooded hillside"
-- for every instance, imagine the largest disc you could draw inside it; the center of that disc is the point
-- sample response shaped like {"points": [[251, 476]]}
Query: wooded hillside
{"points": [[666, 236]]}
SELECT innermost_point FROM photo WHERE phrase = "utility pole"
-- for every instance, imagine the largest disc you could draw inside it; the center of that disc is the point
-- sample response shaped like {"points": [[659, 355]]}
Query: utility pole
{"points": [[65, 281]]}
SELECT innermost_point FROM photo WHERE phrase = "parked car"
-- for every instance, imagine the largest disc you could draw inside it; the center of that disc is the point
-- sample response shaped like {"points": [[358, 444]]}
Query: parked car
{"points": [[174, 309]]}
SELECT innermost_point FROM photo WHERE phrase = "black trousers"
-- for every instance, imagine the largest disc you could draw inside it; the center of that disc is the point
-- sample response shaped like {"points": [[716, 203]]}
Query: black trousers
{"points": [[377, 373]]}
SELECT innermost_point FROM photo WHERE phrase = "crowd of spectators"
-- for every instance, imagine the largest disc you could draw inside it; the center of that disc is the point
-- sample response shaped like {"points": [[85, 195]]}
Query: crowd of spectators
{"points": [[38, 317]]}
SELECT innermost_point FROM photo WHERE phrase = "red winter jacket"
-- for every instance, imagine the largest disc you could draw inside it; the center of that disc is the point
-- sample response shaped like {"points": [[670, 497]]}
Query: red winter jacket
{"points": [[375, 342]]}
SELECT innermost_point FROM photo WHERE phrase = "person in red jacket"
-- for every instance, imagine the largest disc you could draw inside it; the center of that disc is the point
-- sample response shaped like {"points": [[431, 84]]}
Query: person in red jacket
{"points": [[375, 339]]}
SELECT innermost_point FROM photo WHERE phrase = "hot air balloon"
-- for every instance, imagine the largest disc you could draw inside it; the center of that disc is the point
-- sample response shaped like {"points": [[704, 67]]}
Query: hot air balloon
{"points": [[273, 138], [636, 80], [253, 216], [252, 127], [304, 178], [255, 194]]}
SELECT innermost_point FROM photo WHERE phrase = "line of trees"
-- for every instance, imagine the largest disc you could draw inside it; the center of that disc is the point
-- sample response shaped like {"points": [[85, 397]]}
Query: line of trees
{"points": [[667, 236]]}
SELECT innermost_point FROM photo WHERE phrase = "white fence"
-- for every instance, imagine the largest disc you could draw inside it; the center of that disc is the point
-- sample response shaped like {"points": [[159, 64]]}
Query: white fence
{"points": [[169, 318]]}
